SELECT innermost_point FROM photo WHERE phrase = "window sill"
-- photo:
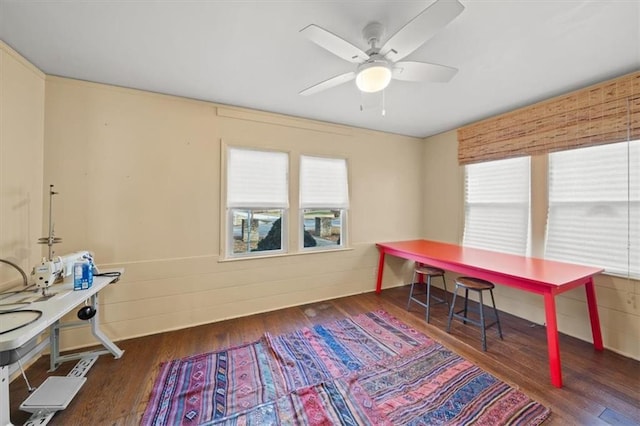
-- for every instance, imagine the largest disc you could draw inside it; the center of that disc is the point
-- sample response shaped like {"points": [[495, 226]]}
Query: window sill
{"points": [[277, 255]]}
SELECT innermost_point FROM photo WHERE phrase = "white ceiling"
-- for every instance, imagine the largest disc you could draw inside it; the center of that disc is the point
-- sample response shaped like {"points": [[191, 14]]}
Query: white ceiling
{"points": [[509, 53]]}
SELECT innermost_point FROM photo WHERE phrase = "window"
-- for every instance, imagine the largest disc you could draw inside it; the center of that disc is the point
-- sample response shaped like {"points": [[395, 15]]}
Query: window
{"points": [[594, 207], [257, 201], [497, 205], [324, 199]]}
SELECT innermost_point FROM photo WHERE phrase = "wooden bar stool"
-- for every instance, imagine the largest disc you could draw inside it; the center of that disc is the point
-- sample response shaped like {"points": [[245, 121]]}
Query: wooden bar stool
{"points": [[429, 272], [478, 285]]}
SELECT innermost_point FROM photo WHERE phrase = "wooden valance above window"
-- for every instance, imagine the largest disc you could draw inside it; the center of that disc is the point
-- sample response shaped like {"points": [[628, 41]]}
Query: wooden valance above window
{"points": [[604, 113]]}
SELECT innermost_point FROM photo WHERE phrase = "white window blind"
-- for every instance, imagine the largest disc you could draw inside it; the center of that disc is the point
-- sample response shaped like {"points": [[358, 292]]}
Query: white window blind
{"points": [[323, 183], [497, 205], [594, 207], [257, 178]]}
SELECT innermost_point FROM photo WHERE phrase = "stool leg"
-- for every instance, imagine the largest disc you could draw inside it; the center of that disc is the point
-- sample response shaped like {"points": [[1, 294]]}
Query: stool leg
{"points": [[413, 282], [428, 295], [495, 311], [466, 302], [444, 282], [484, 329], [453, 304]]}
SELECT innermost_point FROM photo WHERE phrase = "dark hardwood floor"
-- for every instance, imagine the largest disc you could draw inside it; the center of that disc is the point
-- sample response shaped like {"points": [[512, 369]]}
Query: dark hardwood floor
{"points": [[599, 387]]}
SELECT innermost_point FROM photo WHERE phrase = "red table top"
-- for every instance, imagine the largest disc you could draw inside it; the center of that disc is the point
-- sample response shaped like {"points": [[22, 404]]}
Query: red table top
{"points": [[529, 268]]}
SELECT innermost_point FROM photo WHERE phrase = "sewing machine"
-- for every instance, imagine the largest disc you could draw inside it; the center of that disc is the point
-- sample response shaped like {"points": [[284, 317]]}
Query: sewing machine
{"points": [[56, 269]]}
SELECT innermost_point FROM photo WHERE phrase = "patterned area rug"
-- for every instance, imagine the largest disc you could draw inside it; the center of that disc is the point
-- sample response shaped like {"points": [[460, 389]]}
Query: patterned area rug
{"points": [[369, 369]]}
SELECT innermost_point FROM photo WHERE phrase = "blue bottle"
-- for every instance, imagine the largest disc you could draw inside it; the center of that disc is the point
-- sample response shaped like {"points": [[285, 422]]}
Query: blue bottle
{"points": [[82, 275]]}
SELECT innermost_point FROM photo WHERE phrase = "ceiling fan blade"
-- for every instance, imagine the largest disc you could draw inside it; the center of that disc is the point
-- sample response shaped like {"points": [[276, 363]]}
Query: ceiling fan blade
{"points": [[423, 71], [421, 28], [334, 44], [327, 84]]}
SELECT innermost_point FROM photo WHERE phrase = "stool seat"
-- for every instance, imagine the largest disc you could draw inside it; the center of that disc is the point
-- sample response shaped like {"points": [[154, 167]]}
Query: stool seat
{"points": [[474, 283], [428, 272], [478, 285]]}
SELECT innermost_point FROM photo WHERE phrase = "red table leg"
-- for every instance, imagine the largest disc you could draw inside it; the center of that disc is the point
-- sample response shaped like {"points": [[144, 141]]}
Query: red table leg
{"points": [[593, 315], [553, 345], [380, 269]]}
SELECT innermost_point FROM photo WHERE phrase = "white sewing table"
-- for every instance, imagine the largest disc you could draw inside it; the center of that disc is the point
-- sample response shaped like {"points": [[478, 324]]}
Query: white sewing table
{"points": [[53, 309]]}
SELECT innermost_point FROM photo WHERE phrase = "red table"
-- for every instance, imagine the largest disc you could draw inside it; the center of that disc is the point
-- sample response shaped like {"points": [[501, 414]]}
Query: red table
{"points": [[540, 276]]}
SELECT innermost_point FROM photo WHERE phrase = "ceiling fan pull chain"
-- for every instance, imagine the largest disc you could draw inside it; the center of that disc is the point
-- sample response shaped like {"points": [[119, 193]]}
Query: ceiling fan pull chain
{"points": [[384, 111]]}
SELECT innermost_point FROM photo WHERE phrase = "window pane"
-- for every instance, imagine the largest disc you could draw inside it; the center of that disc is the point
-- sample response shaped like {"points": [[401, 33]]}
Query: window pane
{"points": [[322, 228], [497, 205], [256, 230], [324, 196], [257, 199], [594, 207]]}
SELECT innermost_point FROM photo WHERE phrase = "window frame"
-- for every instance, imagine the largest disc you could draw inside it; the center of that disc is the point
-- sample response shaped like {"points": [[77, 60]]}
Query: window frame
{"points": [[343, 207], [227, 227], [290, 218]]}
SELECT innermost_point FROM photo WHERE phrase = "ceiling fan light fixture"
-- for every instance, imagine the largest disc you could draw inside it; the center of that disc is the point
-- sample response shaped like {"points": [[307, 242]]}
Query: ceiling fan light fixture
{"points": [[373, 76]]}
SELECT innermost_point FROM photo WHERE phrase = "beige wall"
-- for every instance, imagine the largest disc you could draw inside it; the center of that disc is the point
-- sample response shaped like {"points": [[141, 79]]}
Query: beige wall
{"points": [[139, 181], [618, 298], [21, 163]]}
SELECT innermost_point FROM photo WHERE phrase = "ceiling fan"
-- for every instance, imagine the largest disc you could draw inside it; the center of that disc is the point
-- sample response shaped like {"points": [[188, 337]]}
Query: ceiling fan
{"points": [[378, 65]]}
